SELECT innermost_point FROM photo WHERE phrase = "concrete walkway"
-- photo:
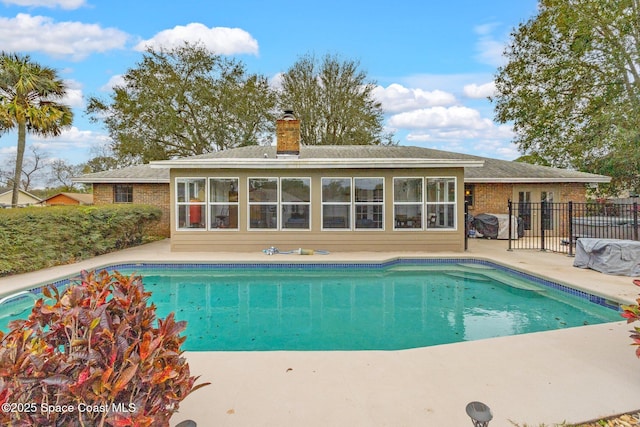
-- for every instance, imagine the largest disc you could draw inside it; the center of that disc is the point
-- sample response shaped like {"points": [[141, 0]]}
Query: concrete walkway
{"points": [[571, 375]]}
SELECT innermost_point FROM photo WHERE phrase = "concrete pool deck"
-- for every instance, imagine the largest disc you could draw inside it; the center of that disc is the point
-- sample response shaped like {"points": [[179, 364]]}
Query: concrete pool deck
{"points": [[571, 375]]}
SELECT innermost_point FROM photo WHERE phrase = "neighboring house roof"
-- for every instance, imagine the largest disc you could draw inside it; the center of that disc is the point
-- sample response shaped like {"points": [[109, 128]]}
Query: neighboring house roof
{"points": [[82, 198], [23, 198], [349, 156]]}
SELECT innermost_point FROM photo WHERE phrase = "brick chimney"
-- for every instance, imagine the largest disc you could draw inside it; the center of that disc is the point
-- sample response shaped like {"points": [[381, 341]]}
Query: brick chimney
{"points": [[288, 135]]}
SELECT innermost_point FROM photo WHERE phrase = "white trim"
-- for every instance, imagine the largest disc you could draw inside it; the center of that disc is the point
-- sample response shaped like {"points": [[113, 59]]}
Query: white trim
{"points": [[534, 180], [467, 180], [128, 180]]}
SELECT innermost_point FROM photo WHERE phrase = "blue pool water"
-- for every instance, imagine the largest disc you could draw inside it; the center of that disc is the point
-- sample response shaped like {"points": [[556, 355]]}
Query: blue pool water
{"points": [[360, 307]]}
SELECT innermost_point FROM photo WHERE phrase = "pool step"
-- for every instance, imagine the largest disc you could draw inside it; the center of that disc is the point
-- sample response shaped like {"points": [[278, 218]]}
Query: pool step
{"points": [[476, 272], [468, 275]]}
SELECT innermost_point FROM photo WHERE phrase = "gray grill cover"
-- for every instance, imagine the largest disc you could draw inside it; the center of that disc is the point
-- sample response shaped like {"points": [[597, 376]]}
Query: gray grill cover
{"points": [[609, 256]]}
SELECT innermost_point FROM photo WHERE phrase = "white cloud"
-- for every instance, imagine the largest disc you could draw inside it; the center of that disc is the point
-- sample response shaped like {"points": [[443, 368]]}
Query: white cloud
{"points": [[9, 150], [275, 82], [77, 40], [397, 98], [220, 40], [63, 4], [452, 83], [441, 117], [73, 97], [455, 126], [497, 149], [489, 49], [480, 91], [72, 138], [115, 80]]}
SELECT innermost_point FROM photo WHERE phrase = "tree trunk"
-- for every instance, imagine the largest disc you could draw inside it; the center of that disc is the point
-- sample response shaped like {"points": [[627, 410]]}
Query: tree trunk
{"points": [[22, 138]]}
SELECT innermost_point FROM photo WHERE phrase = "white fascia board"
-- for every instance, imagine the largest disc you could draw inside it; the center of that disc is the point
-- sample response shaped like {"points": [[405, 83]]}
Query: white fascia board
{"points": [[120, 180], [533, 180], [229, 163]]}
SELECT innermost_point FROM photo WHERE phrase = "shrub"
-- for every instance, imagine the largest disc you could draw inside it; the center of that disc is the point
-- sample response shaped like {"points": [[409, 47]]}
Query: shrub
{"points": [[632, 314], [92, 356], [36, 238]]}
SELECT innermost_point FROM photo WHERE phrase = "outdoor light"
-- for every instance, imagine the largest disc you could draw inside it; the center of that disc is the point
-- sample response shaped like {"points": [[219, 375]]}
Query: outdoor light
{"points": [[480, 414]]}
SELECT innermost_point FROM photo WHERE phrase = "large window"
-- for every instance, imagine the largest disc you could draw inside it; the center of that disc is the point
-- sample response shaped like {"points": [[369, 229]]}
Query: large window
{"points": [[223, 203], [190, 198], [441, 203], [369, 202], [336, 203], [263, 203], [295, 199], [407, 203]]}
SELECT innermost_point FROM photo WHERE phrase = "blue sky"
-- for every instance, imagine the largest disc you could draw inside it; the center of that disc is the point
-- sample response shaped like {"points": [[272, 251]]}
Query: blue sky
{"points": [[434, 62]]}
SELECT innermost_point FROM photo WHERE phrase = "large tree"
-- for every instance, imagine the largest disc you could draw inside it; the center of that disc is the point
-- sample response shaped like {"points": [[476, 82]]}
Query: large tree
{"points": [[334, 101], [571, 87], [184, 101], [29, 95]]}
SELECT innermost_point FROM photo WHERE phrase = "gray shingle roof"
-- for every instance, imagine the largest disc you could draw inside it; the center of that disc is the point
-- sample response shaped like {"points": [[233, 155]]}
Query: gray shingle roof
{"points": [[138, 173], [494, 170]]}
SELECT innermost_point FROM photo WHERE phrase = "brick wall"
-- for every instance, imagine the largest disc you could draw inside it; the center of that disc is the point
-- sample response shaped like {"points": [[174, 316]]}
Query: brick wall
{"points": [[573, 192], [493, 198], [148, 194]]}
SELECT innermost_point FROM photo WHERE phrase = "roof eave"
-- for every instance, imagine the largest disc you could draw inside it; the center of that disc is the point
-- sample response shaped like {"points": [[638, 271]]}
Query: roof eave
{"points": [[531, 180], [81, 180]]}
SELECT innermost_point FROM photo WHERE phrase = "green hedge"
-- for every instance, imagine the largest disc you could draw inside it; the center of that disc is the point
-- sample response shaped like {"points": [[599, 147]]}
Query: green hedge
{"points": [[36, 238]]}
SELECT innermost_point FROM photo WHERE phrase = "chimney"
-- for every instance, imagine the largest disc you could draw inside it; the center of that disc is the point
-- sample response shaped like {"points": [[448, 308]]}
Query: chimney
{"points": [[288, 135]]}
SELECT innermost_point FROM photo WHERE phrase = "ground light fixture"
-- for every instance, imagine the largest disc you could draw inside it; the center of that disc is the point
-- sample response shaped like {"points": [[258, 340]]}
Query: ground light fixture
{"points": [[480, 414]]}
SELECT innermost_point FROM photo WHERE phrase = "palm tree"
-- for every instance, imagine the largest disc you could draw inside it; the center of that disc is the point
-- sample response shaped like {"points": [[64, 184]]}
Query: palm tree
{"points": [[28, 95]]}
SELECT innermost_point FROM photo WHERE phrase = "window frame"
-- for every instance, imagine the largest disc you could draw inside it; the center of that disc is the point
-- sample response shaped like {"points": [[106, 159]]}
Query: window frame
{"points": [[379, 204], [189, 203], [296, 203], [251, 204], [128, 193], [211, 204], [420, 203], [453, 203], [349, 204]]}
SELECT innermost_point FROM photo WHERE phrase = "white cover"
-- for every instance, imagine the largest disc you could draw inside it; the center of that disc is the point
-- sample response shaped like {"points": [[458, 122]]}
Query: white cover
{"points": [[503, 226], [609, 256]]}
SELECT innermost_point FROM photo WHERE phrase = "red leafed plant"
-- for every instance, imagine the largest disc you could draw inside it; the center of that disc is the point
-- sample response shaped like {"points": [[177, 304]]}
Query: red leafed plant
{"points": [[632, 314], [93, 355]]}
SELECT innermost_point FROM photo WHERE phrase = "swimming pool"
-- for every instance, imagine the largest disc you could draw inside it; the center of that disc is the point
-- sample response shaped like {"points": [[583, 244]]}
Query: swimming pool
{"points": [[405, 303]]}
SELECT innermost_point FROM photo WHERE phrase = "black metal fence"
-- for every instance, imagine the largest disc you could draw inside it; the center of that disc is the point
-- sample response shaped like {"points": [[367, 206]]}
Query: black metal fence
{"points": [[556, 226]]}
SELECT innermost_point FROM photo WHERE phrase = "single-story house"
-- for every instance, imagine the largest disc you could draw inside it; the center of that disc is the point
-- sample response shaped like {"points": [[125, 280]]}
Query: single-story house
{"points": [[69, 199], [338, 198], [24, 199]]}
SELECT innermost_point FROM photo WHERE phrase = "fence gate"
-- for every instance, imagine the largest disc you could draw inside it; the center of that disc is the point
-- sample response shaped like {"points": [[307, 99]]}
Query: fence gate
{"points": [[556, 226]]}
